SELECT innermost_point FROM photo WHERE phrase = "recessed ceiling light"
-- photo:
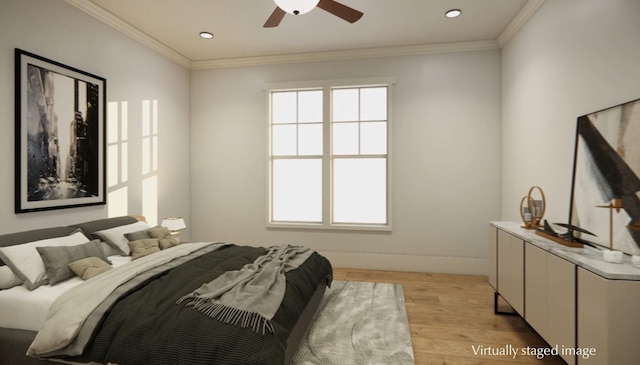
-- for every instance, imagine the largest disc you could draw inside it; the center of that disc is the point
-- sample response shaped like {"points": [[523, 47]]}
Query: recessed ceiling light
{"points": [[453, 13], [206, 35]]}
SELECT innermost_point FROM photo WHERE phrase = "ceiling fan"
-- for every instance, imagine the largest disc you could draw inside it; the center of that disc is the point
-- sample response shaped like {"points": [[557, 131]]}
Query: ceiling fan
{"points": [[297, 7]]}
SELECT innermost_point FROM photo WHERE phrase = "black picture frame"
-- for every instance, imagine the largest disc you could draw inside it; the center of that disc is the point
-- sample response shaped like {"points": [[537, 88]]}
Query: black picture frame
{"points": [[60, 135], [606, 167]]}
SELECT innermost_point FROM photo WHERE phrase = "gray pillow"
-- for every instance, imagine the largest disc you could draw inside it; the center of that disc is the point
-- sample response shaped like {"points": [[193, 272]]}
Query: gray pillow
{"points": [[57, 259], [140, 235], [8, 279]]}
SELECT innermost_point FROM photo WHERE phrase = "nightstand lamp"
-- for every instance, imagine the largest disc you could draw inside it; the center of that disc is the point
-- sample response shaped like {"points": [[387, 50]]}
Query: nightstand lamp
{"points": [[174, 225]]}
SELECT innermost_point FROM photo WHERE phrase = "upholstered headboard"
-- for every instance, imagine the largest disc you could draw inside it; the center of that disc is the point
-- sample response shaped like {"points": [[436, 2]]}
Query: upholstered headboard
{"points": [[101, 224], [88, 228]]}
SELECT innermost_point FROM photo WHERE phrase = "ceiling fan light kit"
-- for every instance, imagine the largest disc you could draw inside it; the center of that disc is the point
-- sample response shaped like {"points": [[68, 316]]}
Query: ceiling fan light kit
{"points": [[297, 7]]}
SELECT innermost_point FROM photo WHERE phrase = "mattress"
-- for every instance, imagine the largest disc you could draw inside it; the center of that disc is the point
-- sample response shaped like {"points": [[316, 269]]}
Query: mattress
{"points": [[27, 310]]}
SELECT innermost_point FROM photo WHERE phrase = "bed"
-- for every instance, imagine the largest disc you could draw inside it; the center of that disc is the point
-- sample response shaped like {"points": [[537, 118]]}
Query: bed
{"points": [[146, 310]]}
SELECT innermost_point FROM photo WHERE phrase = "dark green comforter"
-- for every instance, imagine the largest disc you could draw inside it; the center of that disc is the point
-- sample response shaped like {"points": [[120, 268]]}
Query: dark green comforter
{"points": [[146, 326]]}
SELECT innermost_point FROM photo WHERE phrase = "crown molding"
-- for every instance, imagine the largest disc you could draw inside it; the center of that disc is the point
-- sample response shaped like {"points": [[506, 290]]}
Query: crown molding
{"points": [[519, 21], [106, 17], [126, 28], [348, 54]]}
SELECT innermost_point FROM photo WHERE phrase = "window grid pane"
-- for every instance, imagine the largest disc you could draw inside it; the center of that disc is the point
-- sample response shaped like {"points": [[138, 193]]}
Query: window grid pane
{"points": [[310, 139], [283, 107], [310, 106], [345, 105], [373, 103], [373, 138], [297, 190], [359, 190], [284, 140], [346, 139]]}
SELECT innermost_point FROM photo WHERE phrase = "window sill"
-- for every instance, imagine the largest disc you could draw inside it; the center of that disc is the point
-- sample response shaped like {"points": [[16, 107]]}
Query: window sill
{"points": [[329, 227]]}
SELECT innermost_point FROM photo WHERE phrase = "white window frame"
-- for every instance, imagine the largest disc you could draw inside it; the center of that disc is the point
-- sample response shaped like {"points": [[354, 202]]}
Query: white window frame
{"points": [[327, 86]]}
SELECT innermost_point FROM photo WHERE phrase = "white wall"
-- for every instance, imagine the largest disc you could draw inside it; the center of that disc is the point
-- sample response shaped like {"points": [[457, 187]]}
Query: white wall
{"points": [[449, 148], [134, 73], [573, 57], [446, 155]]}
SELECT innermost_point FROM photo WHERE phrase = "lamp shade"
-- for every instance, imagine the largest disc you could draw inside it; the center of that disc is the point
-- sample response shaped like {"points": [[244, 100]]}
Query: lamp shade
{"points": [[173, 224], [297, 6]]}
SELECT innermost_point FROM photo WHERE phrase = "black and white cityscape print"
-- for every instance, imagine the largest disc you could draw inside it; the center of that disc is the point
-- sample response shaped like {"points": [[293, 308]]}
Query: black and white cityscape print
{"points": [[62, 136]]}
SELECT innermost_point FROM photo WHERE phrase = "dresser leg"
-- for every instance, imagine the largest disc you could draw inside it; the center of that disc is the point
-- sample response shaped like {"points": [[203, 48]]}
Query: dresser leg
{"points": [[495, 306]]}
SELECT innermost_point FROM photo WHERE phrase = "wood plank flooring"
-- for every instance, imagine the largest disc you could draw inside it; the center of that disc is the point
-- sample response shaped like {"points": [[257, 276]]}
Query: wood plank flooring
{"points": [[451, 315]]}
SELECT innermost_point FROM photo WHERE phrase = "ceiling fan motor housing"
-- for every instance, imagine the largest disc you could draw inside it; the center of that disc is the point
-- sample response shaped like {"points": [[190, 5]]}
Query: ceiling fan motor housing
{"points": [[297, 6]]}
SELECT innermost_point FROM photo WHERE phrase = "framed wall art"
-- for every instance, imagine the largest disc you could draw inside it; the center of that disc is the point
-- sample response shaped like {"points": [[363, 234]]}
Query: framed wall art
{"points": [[59, 135], [605, 192]]}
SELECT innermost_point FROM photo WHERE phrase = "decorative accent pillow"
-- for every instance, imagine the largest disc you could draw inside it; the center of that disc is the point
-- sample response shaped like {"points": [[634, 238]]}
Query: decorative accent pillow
{"points": [[165, 243], [24, 260], [57, 259], [159, 232], [115, 236], [142, 248], [89, 267], [8, 279]]}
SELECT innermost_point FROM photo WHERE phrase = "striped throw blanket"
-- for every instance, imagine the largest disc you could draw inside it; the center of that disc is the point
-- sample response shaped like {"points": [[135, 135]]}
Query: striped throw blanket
{"points": [[251, 296]]}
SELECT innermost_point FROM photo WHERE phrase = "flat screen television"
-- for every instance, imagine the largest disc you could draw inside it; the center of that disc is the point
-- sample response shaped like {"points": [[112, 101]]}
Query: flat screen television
{"points": [[606, 167]]}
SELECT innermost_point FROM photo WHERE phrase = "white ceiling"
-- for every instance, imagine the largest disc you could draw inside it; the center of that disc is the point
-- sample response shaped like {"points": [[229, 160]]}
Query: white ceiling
{"points": [[172, 26]]}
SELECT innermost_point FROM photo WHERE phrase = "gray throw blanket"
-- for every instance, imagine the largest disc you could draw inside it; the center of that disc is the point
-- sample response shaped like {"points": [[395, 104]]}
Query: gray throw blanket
{"points": [[251, 296]]}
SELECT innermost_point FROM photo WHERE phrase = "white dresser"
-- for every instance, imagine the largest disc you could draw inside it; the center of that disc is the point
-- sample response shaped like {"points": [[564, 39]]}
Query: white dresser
{"points": [[585, 307]]}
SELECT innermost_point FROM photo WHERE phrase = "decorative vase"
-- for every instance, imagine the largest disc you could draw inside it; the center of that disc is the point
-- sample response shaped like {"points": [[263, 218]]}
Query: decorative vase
{"points": [[533, 211]]}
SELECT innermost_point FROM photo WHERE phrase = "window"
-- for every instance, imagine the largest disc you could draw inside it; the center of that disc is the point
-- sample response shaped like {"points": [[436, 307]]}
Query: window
{"points": [[296, 156], [329, 156]]}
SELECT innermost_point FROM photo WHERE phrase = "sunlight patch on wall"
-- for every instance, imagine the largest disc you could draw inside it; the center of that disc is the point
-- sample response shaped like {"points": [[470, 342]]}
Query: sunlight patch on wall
{"points": [[117, 158], [150, 199], [118, 202], [150, 160], [149, 136]]}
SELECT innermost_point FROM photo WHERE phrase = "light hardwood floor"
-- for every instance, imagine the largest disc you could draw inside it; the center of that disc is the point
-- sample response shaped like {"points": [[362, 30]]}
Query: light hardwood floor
{"points": [[451, 315]]}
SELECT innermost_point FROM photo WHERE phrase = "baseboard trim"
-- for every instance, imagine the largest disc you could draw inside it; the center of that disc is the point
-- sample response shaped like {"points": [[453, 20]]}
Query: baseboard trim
{"points": [[411, 263]]}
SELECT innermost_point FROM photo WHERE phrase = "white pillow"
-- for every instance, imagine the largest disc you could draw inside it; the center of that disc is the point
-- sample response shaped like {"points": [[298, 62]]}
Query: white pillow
{"points": [[24, 260], [115, 236], [8, 279]]}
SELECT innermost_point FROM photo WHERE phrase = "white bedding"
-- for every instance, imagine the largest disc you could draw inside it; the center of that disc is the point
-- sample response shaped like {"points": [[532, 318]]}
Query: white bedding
{"points": [[27, 310]]}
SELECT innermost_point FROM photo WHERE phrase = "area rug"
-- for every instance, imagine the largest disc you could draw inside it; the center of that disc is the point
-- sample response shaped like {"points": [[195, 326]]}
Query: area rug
{"points": [[358, 323]]}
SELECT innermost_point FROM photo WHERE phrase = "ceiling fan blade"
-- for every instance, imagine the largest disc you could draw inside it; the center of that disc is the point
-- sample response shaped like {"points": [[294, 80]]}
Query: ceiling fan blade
{"points": [[342, 11], [275, 18]]}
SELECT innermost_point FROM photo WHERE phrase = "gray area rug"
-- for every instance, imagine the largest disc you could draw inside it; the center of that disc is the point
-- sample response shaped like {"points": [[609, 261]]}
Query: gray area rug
{"points": [[358, 323]]}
